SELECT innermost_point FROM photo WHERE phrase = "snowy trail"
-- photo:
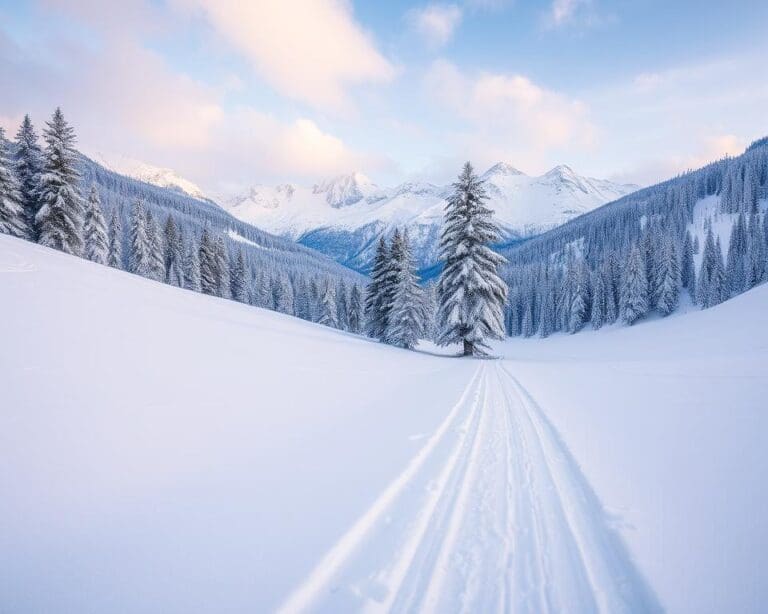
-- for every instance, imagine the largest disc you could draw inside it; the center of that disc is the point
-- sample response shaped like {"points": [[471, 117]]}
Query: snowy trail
{"points": [[493, 515]]}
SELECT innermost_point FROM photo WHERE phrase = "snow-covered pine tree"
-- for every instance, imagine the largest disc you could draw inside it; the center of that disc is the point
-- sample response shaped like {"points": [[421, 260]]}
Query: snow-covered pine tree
{"points": [[579, 307], [222, 266], [687, 272], [237, 280], [156, 250], [668, 279], [94, 230], [29, 165], [634, 289], [377, 301], [407, 318], [327, 308], [471, 294], [756, 252], [115, 253], [598, 301], [141, 249], [173, 256], [209, 274], [342, 305], [59, 219], [355, 310], [283, 295], [547, 315], [737, 256], [12, 218], [192, 266], [609, 282], [718, 286], [526, 326]]}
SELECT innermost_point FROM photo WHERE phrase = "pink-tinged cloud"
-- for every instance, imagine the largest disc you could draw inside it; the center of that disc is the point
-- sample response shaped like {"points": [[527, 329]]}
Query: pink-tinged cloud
{"points": [[309, 50]]}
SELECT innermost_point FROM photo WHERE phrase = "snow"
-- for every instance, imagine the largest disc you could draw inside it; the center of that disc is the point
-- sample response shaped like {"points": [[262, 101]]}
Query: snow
{"points": [[166, 451], [523, 204], [148, 173]]}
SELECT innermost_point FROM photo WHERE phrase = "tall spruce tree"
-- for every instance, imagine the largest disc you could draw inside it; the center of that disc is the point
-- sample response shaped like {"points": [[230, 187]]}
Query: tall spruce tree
{"points": [[687, 271], [668, 279], [471, 294], [12, 218], [156, 250], [94, 230], [355, 310], [140, 248], [29, 165], [115, 253], [737, 257], [756, 252], [377, 293], [192, 266], [407, 319], [634, 289], [222, 268], [209, 275], [238, 279], [60, 218], [327, 308]]}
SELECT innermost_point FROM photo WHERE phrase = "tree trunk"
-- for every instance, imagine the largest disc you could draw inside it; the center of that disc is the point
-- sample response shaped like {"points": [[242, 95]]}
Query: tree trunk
{"points": [[469, 348]]}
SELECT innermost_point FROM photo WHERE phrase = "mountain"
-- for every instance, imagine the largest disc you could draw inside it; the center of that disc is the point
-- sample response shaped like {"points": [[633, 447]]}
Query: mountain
{"points": [[344, 216], [154, 175]]}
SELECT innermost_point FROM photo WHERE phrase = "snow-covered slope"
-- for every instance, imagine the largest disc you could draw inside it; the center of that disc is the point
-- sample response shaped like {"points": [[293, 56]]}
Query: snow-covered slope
{"points": [[148, 173], [344, 216], [166, 451]]}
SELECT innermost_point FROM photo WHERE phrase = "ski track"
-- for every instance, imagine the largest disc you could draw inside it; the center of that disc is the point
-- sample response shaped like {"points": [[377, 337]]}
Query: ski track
{"points": [[492, 515]]}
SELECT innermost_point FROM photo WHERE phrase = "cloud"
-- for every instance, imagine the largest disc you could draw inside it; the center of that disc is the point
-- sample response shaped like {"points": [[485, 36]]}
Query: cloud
{"points": [[435, 22], [310, 50], [509, 112], [122, 97], [580, 13]]}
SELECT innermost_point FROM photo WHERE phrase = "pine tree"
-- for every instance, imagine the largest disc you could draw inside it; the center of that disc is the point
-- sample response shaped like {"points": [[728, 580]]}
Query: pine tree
{"points": [[156, 250], [209, 275], [687, 272], [526, 326], [579, 307], [94, 231], [407, 319], [547, 316], [282, 291], [342, 306], [609, 282], [238, 279], [59, 219], [471, 295], [355, 309], [328, 310], [12, 218], [712, 283], [115, 255], [222, 268], [173, 257], [668, 280], [756, 252], [598, 301], [634, 290], [140, 242], [377, 293], [192, 266], [29, 165], [737, 255]]}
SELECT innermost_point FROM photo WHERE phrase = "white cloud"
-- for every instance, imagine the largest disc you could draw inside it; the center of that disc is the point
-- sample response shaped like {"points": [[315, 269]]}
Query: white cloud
{"points": [[436, 22], [562, 11], [309, 50], [122, 97], [509, 114]]}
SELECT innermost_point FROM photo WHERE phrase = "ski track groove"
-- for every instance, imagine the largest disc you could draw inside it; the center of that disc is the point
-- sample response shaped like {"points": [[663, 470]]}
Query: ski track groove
{"points": [[492, 515]]}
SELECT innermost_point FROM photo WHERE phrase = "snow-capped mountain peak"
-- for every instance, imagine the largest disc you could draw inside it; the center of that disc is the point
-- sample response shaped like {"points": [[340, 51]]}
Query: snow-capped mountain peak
{"points": [[342, 216], [345, 190], [502, 169], [148, 173]]}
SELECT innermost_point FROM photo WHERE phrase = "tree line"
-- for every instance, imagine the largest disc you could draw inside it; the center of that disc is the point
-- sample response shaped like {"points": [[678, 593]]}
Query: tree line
{"points": [[42, 200]]}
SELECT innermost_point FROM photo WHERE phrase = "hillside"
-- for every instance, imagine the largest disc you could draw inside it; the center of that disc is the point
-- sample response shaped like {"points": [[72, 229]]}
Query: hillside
{"points": [[167, 451], [344, 216]]}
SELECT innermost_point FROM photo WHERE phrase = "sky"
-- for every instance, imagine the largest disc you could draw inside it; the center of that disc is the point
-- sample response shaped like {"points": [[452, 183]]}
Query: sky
{"points": [[231, 93]]}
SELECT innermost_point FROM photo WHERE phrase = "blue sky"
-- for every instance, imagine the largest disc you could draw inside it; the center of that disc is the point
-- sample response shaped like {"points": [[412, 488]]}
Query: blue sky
{"points": [[231, 94]]}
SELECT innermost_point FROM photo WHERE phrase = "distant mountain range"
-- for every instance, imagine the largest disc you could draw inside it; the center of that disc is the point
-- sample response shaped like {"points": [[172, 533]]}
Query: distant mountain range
{"points": [[343, 217]]}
